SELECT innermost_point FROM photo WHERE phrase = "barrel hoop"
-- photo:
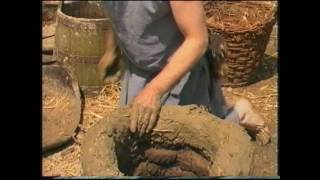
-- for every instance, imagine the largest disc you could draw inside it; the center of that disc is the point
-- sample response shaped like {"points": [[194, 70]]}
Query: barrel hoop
{"points": [[82, 23]]}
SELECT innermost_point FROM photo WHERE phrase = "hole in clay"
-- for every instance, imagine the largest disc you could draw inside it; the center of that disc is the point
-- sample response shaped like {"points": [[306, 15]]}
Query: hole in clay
{"points": [[137, 156]]}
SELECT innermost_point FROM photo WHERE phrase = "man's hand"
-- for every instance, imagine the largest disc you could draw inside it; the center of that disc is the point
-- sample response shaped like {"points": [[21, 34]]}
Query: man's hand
{"points": [[144, 110], [111, 66], [146, 106], [111, 69]]}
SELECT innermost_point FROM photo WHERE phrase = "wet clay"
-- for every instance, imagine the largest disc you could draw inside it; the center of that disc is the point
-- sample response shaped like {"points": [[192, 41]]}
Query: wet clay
{"points": [[61, 106], [187, 141]]}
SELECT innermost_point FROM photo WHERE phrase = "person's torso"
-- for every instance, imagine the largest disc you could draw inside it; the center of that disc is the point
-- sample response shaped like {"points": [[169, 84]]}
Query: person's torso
{"points": [[146, 32]]}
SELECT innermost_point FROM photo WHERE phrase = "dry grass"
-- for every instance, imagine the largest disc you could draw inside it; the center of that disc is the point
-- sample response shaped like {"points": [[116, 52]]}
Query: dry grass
{"points": [[99, 106], [67, 161], [238, 15], [263, 95], [63, 163]]}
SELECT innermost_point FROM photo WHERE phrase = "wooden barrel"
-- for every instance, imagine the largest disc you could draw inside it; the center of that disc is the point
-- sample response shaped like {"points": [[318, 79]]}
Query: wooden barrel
{"points": [[80, 40], [61, 105]]}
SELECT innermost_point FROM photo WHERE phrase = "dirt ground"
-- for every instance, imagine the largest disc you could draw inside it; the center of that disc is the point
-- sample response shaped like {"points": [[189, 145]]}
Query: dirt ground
{"points": [[263, 93]]}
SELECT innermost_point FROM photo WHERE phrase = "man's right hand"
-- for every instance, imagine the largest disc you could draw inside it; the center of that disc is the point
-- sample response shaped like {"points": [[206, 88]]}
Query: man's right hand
{"points": [[144, 111]]}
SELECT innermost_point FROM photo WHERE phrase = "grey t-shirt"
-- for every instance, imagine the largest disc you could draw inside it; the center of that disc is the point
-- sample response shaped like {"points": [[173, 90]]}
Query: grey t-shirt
{"points": [[146, 31], [148, 35]]}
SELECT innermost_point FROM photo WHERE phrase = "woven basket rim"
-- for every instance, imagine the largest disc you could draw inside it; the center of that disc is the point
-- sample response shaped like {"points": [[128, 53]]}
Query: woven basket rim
{"points": [[270, 20]]}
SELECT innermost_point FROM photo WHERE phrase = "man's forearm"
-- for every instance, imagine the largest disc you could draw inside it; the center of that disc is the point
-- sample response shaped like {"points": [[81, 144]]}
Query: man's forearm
{"points": [[188, 54]]}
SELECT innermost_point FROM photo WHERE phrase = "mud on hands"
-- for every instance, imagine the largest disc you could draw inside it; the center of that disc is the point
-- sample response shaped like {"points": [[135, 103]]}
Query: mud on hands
{"points": [[144, 111]]}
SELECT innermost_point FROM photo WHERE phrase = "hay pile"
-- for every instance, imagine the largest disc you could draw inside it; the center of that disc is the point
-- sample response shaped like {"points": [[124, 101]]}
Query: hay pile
{"points": [[235, 16], [100, 105]]}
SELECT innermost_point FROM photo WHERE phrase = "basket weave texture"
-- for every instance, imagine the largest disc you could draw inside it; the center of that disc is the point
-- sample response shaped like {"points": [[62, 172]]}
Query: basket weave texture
{"points": [[246, 27]]}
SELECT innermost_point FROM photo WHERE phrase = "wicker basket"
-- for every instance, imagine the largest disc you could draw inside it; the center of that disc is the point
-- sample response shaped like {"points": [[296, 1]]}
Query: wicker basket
{"points": [[246, 27]]}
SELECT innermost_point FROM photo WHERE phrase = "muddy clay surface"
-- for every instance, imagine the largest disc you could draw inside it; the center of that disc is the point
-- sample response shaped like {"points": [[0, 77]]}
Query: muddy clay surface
{"points": [[264, 97], [186, 140], [65, 161], [263, 94], [61, 106]]}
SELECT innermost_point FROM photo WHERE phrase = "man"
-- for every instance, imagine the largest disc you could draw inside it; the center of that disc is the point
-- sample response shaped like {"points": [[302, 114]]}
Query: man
{"points": [[164, 45]]}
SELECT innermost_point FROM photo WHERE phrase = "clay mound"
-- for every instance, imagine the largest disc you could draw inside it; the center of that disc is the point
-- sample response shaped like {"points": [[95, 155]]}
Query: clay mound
{"points": [[187, 141], [61, 106]]}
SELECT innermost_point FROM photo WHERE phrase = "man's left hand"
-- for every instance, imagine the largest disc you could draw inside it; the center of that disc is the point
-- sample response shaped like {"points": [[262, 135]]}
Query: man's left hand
{"points": [[144, 111]]}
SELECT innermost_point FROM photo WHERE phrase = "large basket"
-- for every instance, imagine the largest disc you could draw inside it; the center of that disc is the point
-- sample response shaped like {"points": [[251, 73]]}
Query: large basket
{"points": [[246, 27]]}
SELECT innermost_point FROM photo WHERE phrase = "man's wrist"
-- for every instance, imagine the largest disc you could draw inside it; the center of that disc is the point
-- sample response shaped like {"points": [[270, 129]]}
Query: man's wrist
{"points": [[155, 89]]}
